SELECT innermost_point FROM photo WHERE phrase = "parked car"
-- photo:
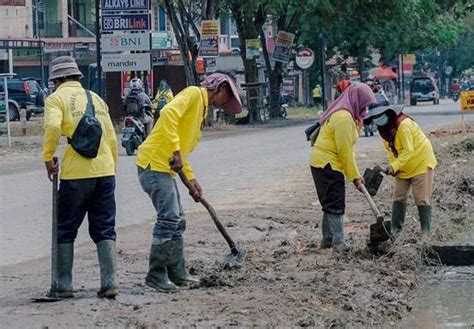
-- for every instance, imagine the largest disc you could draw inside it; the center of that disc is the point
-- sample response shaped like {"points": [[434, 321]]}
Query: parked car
{"points": [[423, 89], [3, 111], [27, 91]]}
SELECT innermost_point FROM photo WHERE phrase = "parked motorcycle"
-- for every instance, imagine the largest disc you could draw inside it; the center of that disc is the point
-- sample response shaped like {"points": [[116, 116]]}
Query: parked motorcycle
{"points": [[133, 133]]}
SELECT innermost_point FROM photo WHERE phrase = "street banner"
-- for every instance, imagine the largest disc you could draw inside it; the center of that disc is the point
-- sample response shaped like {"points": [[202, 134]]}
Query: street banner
{"points": [[252, 48], [467, 101], [124, 5], [126, 62], [125, 42], [160, 40], [128, 22], [209, 46], [283, 46], [409, 59], [211, 65]]}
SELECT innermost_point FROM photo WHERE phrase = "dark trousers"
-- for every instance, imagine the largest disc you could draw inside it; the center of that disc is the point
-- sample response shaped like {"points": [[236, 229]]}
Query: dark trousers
{"points": [[94, 196], [330, 186]]}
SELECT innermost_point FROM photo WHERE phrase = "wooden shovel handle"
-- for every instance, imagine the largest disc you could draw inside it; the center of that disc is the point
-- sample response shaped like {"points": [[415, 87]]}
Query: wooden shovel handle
{"points": [[372, 204], [211, 211]]}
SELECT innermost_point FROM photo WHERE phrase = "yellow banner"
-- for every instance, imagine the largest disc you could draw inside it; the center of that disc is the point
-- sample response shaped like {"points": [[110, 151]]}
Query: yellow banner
{"points": [[467, 101]]}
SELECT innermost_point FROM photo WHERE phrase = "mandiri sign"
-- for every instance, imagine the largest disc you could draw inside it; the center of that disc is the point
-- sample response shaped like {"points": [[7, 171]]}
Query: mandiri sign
{"points": [[126, 62]]}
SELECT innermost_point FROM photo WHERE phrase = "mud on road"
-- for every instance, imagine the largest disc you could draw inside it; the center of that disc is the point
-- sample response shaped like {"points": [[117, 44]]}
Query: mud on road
{"points": [[286, 280]]}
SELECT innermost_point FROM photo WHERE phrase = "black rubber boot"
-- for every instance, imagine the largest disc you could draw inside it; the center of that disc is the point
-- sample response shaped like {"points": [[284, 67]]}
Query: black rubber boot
{"points": [[157, 276], [326, 241], [336, 224], [425, 218], [64, 270], [177, 272], [398, 216], [108, 268]]}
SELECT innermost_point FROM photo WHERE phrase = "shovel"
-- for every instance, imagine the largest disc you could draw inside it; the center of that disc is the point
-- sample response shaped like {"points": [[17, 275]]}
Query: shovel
{"points": [[380, 231], [237, 253], [52, 296]]}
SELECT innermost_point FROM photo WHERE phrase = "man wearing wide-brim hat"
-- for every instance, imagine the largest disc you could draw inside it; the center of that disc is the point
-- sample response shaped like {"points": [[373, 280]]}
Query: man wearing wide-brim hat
{"points": [[87, 184], [174, 137], [411, 157]]}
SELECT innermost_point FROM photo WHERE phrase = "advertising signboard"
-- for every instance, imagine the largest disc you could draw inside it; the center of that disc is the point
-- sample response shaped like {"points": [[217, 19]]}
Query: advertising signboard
{"points": [[283, 46], [467, 101], [123, 5], [160, 40], [125, 41], [209, 46], [126, 62], [128, 22]]}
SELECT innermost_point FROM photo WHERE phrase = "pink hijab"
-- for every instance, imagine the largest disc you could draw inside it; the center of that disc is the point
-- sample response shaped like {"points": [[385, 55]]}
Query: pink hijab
{"points": [[354, 99]]}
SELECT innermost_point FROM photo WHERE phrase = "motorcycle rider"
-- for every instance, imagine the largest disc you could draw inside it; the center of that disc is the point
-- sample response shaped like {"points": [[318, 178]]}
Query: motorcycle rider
{"points": [[137, 103], [163, 96]]}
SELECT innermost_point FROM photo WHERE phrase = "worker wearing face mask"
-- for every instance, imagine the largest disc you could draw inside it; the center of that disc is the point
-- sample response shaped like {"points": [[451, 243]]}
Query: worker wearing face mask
{"points": [[411, 161]]}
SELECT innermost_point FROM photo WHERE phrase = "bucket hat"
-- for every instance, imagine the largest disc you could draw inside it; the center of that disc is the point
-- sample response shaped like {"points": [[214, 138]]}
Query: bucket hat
{"points": [[62, 67], [381, 105], [233, 105]]}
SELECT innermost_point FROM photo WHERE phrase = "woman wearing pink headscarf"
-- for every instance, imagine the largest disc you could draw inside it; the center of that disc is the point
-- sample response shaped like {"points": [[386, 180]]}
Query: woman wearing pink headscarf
{"points": [[333, 159]]}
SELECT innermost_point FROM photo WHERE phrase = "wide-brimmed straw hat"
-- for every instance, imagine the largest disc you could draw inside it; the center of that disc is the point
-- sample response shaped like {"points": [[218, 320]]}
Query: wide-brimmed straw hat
{"points": [[381, 105], [62, 67]]}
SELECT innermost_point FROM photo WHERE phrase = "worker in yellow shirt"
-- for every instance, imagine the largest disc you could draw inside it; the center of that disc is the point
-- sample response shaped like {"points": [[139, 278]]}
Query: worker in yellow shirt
{"points": [[333, 159], [412, 162], [163, 96], [87, 183], [317, 95], [165, 152]]}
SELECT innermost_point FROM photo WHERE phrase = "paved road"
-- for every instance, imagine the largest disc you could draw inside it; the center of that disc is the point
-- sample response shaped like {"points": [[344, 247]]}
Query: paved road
{"points": [[227, 165]]}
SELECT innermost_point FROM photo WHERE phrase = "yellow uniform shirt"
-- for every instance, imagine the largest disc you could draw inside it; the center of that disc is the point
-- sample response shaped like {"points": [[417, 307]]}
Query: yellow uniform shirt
{"points": [[63, 110], [317, 92], [415, 153], [336, 145], [178, 128]]}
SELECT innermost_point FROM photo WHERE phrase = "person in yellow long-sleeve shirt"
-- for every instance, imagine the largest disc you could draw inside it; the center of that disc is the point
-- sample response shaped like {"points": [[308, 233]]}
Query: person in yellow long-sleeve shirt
{"points": [[333, 159], [165, 152], [412, 162], [87, 184]]}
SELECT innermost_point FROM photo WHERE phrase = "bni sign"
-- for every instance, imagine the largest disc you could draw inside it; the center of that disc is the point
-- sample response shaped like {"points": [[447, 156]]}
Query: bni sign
{"points": [[132, 22], [126, 62], [124, 42]]}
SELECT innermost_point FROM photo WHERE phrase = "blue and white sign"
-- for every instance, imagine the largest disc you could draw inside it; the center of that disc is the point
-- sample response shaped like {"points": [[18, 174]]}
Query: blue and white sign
{"points": [[126, 62], [132, 22], [122, 5], [125, 42]]}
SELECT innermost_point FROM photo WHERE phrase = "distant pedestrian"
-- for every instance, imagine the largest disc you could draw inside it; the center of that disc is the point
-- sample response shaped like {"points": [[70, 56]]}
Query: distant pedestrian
{"points": [[333, 159], [87, 182], [412, 162], [317, 95], [23, 118]]}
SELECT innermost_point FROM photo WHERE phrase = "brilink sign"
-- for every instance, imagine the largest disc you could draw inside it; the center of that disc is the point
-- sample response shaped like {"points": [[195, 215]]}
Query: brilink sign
{"points": [[124, 5]]}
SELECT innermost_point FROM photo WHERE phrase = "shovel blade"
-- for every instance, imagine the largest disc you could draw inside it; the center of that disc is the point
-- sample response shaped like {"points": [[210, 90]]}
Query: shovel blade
{"points": [[380, 232], [47, 297], [236, 258]]}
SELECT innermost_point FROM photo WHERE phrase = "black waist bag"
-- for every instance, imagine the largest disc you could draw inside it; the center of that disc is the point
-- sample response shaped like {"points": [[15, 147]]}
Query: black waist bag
{"points": [[86, 138]]}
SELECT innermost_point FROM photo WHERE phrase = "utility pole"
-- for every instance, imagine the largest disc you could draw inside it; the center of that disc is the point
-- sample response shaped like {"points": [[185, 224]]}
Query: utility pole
{"points": [[323, 68], [38, 35], [97, 46]]}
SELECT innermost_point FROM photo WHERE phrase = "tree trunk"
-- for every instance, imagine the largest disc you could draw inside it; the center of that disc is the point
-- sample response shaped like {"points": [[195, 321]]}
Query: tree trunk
{"points": [[184, 44]]}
